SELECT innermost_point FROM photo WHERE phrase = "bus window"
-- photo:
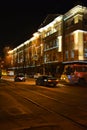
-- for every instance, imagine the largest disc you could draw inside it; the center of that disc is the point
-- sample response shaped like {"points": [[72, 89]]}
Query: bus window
{"points": [[69, 70], [81, 69]]}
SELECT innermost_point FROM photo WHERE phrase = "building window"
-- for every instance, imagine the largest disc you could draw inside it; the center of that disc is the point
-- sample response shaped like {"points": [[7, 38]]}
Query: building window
{"points": [[51, 45], [77, 18], [72, 53], [85, 53], [66, 55], [69, 23], [85, 37]]}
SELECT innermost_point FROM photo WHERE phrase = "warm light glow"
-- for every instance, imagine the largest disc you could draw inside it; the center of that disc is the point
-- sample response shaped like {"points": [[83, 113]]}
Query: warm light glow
{"points": [[27, 42], [77, 18], [78, 39], [56, 25], [60, 43], [36, 35], [73, 11], [10, 51], [20, 46], [59, 18], [50, 25], [32, 39]]}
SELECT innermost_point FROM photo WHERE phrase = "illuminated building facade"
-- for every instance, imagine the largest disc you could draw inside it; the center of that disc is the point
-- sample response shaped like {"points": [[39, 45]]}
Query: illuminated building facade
{"points": [[75, 34], [60, 38]]}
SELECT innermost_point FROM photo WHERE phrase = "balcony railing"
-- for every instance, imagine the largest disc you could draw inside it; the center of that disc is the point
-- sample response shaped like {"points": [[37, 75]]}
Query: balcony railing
{"points": [[51, 48], [73, 27]]}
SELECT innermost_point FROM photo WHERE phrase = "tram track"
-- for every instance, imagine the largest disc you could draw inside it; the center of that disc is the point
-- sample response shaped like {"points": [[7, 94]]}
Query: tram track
{"points": [[34, 89], [36, 102]]}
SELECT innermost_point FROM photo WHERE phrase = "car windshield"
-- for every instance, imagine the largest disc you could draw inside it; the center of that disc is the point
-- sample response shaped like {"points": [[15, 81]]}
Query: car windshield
{"points": [[51, 77], [20, 75], [47, 77]]}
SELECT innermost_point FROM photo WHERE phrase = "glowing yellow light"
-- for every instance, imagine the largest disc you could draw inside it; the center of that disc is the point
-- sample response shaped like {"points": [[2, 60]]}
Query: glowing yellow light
{"points": [[76, 40], [10, 51], [75, 10], [50, 25], [78, 35], [36, 35], [60, 44]]}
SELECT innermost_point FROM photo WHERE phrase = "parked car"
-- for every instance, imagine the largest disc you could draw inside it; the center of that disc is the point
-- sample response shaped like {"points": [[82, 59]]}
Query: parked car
{"points": [[19, 77], [46, 80]]}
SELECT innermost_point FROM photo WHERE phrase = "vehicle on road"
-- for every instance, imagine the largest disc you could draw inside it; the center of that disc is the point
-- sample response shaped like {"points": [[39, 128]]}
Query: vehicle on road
{"points": [[46, 80], [75, 73], [19, 77]]}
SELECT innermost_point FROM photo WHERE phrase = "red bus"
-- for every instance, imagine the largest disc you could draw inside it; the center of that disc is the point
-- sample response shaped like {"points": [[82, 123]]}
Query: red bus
{"points": [[75, 72]]}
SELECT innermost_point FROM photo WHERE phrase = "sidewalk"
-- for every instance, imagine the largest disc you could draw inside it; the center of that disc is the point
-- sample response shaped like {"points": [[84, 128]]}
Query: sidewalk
{"points": [[9, 78]]}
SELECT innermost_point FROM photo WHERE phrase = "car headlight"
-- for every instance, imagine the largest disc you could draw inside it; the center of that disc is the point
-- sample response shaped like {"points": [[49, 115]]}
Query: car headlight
{"points": [[45, 80]]}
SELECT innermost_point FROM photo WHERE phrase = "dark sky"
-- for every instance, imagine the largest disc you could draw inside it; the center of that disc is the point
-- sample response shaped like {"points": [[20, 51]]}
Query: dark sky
{"points": [[19, 19]]}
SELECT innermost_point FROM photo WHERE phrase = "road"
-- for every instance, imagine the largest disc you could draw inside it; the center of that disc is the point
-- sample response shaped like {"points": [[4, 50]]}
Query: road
{"points": [[25, 106]]}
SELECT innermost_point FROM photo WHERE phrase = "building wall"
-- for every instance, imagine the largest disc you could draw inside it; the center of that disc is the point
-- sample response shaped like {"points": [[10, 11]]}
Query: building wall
{"points": [[63, 39]]}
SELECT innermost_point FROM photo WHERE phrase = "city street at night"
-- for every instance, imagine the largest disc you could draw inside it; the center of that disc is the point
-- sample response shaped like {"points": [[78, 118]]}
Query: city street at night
{"points": [[25, 106], [43, 65]]}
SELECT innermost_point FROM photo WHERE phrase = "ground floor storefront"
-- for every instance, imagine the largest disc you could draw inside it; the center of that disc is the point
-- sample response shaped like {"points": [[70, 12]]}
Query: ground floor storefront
{"points": [[54, 69]]}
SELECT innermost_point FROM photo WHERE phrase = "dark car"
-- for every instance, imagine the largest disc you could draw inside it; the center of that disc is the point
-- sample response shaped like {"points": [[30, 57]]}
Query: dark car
{"points": [[45, 80], [19, 77]]}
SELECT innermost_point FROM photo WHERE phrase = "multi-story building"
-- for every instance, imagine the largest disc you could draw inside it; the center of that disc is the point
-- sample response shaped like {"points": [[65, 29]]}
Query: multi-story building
{"points": [[75, 34], [59, 39], [52, 41], [27, 57]]}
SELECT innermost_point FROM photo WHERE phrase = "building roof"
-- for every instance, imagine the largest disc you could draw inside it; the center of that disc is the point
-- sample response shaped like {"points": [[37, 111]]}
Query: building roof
{"points": [[48, 19]]}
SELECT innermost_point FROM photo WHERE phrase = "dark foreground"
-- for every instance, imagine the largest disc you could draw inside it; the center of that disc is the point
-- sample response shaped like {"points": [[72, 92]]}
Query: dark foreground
{"points": [[25, 106]]}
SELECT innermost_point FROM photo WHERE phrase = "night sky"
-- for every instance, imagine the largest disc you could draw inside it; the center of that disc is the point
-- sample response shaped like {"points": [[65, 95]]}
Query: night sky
{"points": [[19, 19]]}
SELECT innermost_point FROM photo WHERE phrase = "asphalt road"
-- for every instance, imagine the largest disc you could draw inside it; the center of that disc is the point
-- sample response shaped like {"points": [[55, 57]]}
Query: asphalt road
{"points": [[25, 106]]}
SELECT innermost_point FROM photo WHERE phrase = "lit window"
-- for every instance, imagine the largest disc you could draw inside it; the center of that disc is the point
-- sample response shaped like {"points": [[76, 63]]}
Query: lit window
{"points": [[77, 18], [72, 54], [66, 55], [85, 53]]}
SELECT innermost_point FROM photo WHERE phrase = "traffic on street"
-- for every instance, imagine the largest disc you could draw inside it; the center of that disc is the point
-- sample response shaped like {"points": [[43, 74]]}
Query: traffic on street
{"points": [[27, 106]]}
